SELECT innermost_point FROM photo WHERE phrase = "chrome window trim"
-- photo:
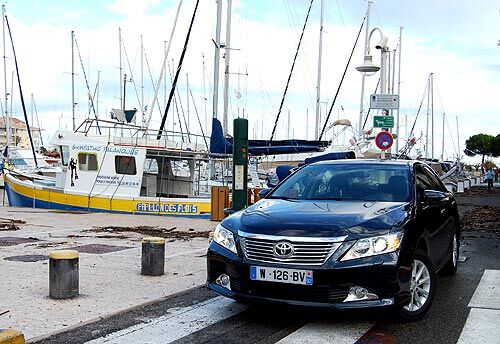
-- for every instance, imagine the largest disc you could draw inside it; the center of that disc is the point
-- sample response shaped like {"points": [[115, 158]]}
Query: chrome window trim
{"points": [[292, 238]]}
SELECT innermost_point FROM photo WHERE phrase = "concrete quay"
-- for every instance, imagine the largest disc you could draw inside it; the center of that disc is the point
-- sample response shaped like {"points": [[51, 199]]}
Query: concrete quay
{"points": [[109, 266]]}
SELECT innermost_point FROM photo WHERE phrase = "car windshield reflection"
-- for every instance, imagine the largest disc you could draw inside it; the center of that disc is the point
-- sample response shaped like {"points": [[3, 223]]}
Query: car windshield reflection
{"points": [[339, 182]]}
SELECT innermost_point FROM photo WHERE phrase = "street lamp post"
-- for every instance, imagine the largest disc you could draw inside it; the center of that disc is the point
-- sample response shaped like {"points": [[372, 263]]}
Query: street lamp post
{"points": [[368, 68]]}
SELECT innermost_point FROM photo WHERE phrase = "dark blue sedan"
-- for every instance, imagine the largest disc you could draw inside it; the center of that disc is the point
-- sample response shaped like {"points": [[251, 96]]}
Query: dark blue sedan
{"points": [[341, 234]]}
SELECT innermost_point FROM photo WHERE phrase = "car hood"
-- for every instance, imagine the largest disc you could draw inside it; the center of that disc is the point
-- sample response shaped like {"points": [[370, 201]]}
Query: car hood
{"points": [[354, 219]]}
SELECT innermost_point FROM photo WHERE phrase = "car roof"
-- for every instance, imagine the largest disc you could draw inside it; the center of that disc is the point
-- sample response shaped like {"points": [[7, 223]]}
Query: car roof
{"points": [[367, 161]]}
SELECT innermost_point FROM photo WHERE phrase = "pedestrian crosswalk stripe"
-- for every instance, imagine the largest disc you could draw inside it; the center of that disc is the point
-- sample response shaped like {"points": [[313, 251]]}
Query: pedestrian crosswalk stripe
{"points": [[178, 323], [328, 332], [482, 323], [487, 294]]}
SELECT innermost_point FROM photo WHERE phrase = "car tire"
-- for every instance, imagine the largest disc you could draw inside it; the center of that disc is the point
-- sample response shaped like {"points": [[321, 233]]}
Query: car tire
{"points": [[450, 267], [422, 289]]}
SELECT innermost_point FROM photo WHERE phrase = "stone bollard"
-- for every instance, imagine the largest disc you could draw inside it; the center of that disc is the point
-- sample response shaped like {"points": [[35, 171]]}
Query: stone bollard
{"points": [[467, 183], [63, 274], [460, 187], [153, 256]]}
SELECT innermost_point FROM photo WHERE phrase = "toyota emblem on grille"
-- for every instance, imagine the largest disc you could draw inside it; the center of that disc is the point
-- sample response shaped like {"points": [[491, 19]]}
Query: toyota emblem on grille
{"points": [[283, 249]]}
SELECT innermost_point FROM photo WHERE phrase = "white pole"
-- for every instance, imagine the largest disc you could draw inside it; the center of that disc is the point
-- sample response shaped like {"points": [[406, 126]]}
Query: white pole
{"points": [[73, 104], [217, 60], [458, 140], [367, 34], [7, 119], [432, 115], [318, 82], [399, 93], [163, 69], [120, 68], [226, 67], [427, 117], [442, 141], [142, 82]]}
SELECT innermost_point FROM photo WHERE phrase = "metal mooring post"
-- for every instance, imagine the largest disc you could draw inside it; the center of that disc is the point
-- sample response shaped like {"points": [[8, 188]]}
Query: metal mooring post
{"points": [[63, 274], [153, 256], [240, 164]]}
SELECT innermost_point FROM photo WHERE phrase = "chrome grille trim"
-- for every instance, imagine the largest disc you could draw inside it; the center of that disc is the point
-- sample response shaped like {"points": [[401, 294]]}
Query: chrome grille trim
{"points": [[308, 250]]}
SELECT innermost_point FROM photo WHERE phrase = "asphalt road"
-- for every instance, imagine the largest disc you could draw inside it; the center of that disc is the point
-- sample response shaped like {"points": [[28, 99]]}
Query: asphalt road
{"points": [[236, 323]]}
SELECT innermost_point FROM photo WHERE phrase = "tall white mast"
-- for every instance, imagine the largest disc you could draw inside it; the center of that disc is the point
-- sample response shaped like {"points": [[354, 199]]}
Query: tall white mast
{"points": [[120, 61], [142, 82], [73, 104], [163, 69], [432, 115], [427, 117], [442, 140], [399, 93], [367, 34], [318, 82], [215, 97], [458, 140], [226, 67]]}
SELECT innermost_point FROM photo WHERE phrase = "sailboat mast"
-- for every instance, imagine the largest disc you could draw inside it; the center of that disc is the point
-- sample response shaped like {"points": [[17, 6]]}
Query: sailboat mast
{"points": [[142, 81], [217, 60], [367, 34], [6, 118], [432, 115], [442, 140], [458, 140], [120, 62], [318, 81], [163, 72], [226, 67], [73, 104], [427, 117], [399, 94]]}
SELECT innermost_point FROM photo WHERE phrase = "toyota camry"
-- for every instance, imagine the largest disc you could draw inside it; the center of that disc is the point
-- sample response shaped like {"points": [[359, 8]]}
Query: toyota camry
{"points": [[343, 234]]}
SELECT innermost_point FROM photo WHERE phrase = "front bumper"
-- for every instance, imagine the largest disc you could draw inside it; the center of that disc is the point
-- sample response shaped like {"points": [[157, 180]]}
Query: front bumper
{"points": [[380, 275]]}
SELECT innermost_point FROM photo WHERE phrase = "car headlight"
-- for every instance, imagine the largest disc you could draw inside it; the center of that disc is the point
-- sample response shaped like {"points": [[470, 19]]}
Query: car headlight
{"points": [[225, 238], [373, 246]]}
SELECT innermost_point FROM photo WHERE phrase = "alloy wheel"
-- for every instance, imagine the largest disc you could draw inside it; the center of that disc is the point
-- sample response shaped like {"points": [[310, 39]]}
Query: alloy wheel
{"points": [[420, 286]]}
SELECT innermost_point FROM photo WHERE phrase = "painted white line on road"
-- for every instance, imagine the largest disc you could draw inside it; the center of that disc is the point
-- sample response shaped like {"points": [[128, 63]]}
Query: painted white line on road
{"points": [[328, 332], [178, 323], [487, 294], [481, 327]]}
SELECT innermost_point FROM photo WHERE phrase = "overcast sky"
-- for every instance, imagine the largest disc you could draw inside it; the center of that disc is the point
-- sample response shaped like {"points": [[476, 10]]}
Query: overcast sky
{"points": [[454, 39]]}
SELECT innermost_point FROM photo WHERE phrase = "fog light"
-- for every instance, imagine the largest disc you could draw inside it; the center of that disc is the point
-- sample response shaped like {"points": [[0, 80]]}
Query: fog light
{"points": [[357, 293], [360, 292], [224, 281]]}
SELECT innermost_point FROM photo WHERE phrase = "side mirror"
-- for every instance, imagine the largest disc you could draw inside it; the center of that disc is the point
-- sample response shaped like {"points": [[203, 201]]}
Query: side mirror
{"points": [[264, 192], [433, 196]]}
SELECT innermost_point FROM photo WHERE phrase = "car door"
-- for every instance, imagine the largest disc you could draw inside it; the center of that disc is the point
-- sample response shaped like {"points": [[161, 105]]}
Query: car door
{"points": [[432, 213], [444, 236]]}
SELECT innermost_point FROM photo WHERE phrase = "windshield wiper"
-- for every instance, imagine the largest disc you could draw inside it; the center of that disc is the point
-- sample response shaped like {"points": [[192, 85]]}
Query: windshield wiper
{"points": [[282, 197]]}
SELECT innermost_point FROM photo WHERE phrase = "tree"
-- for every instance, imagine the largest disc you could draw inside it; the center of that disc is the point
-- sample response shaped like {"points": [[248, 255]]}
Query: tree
{"points": [[479, 144], [495, 146]]}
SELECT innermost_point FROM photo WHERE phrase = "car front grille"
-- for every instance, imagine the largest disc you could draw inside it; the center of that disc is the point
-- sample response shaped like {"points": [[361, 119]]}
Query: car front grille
{"points": [[307, 251]]}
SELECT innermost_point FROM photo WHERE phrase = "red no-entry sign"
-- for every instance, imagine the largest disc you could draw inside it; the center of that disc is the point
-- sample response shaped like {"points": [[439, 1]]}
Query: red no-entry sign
{"points": [[384, 140]]}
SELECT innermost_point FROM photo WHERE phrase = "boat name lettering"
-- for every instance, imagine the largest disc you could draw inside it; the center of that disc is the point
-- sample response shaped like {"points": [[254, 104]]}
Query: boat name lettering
{"points": [[121, 150], [87, 148], [167, 208]]}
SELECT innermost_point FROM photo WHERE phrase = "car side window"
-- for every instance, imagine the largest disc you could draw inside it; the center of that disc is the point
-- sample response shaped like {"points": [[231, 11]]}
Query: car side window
{"points": [[422, 180], [436, 183]]}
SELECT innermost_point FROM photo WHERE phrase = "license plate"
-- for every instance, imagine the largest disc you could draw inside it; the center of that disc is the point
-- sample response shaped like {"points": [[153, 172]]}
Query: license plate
{"points": [[294, 276]]}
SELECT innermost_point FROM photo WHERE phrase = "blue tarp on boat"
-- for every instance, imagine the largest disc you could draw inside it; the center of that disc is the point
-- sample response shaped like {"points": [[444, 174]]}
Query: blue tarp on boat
{"points": [[221, 145]]}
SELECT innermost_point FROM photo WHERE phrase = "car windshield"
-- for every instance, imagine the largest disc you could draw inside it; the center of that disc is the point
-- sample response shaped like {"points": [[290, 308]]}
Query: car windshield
{"points": [[364, 182]]}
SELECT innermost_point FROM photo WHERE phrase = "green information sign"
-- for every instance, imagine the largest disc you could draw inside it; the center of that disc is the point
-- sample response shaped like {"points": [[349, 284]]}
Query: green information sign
{"points": [[383, 121]]}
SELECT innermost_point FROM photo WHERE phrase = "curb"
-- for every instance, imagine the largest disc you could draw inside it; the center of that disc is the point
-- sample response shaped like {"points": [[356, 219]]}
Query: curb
{"points": [[11, 337]]}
